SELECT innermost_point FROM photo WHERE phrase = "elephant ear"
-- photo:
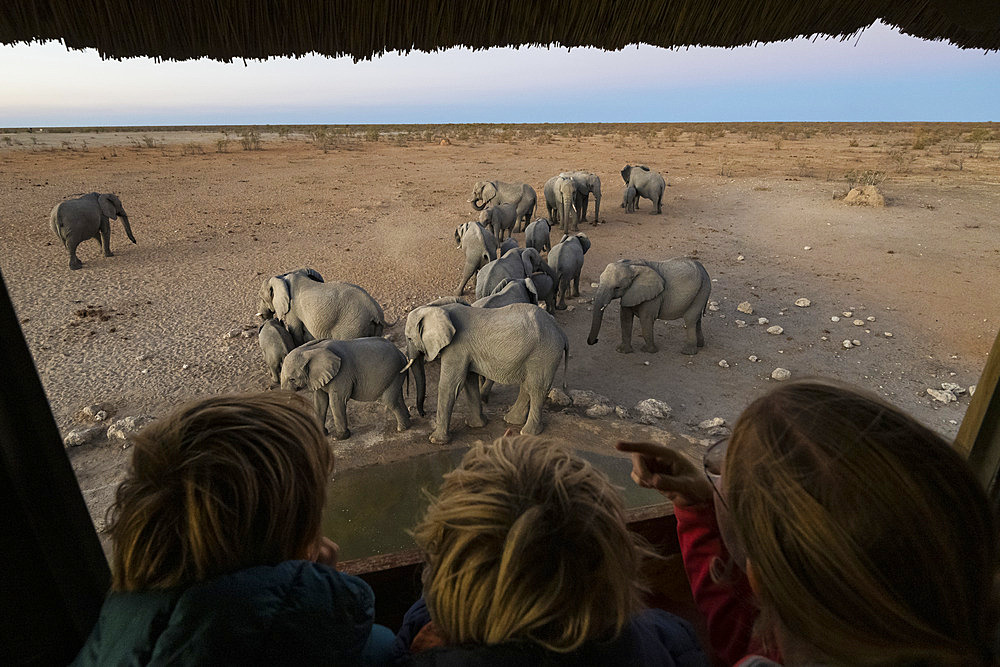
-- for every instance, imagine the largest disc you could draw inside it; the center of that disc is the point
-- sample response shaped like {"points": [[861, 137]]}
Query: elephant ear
{"points": [[280, 298], [626, 172], [489, 191], [500, 285], [646, 284], [321, 366], [107, 204], [435, 331], [530, 285], [585, 242], [312, 274], [530, 259]]}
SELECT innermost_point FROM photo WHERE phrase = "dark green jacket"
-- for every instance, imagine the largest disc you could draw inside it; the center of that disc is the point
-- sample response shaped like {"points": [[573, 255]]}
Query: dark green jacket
{"points": [[296, 612]]}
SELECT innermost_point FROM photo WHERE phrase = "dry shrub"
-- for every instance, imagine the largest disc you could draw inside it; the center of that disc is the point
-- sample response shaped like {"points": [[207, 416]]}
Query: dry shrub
{"points": [[860, 178], [250, 139]]}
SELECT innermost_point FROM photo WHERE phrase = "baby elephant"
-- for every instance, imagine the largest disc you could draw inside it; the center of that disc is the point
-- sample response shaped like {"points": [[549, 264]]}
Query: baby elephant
{"points": [[275, 342], [500, 219], [364, 369], [631, 199], [566, 258], [537, 235]]}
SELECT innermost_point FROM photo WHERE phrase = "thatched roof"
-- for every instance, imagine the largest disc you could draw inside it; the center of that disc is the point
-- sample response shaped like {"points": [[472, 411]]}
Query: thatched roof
{"points": [[233, 29]]}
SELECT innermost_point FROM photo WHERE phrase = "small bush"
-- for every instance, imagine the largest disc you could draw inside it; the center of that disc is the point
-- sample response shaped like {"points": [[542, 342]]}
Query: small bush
{"points": [[250, 139], [372, 134], [857, 178], [947, 147], [284, 131], [853, 143], [977, 149], [149, 141], [8, 140], [777, 142]]}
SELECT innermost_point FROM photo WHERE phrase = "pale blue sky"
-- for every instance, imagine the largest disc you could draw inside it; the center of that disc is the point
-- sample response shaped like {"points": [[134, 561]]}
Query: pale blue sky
{"points": [[878, 76]]}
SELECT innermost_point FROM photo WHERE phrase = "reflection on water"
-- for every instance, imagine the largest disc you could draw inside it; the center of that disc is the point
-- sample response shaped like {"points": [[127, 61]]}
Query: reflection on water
{"points": [[369, 510]]}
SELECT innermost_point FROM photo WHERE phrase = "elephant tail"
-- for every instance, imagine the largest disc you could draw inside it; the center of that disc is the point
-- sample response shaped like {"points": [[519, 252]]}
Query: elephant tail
{"points": [[59, 230], [565, 363]]}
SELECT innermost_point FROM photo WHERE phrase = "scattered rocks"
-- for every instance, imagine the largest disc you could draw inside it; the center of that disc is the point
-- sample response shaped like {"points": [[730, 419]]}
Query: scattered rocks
{"points": [[740, 324], [754, 358], [559, 398], [942, 395], [856, 342], [142, 357], [248, 333], [870, 318], [622, 412], [598, 410], [570, 308], [763, 320], [184, 367], [712, 423], [594, 285], [808, 247], [775, 330], [745, 307], [584, 398], [835, 318], [953, 388], [82, 436], [847, 313], [719, 432], [887, 334], [780, 374], [858, 323], [94, 413], [650, 410], [723, 363], [972, 389], [847, 344], [867, 195], [803, 302], [740, 258], [713, 305], [121, 429]]}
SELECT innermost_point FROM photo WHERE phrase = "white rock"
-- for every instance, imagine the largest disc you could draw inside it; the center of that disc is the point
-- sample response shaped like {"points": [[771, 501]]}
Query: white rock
{"points": [[763, 320], [622, 412], [745, 307], [645, 363], [753, 358], [824, 338], [713, 305], [808, 247], [942, 395], [184, 367], [232, 333], [887, 334], [142, 357], [712, 423], [723, 363], [953, 388], [249, 333], [856, 342], [859, 323], [719, 432], [847, 313], [559, 397], [739, 258], [600, 410], [803, 302], [835, 318], [952, 421], [847, 344], [91, 411], [870, 318], [650, 410], [775, 330], [121, 429], [972, 389], [594, 285], [584, 398], [81, 436], [740, 324], [570, 308], [780, 374]]}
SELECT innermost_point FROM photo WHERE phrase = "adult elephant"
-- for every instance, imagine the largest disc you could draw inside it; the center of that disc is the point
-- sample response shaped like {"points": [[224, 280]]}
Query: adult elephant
{"points": [[480, 248], [517, 344], [312, 309], [561, 200], [88, 217], [515, 264], [587, 184], [675, 288], [521, 195], [647, 183]]}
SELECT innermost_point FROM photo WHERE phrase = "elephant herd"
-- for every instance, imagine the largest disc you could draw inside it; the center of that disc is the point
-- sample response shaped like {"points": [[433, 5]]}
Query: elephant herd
{"points": [[327, 337]]}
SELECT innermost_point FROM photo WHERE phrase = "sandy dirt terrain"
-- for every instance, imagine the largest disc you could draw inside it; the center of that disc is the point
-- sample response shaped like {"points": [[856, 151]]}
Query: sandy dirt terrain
{"points": [[149, 328]]}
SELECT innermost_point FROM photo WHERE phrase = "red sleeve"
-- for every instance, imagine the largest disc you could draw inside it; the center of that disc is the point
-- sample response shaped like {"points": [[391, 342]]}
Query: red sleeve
{"points": [[729, 606]]}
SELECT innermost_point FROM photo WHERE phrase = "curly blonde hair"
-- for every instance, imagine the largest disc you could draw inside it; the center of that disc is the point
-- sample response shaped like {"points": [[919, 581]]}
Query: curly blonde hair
{"points": [[222, 484], [527, 541], [871, 539]]}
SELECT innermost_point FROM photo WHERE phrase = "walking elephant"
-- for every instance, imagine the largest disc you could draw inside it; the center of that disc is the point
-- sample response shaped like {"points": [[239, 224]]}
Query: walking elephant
{"points": [[517, 344], [647, 183], [515, 263], [363, 369], [480, 248], [521, 195], [499, 219], [669, 290], [586, 184], [630, 200], [311, 309], [566, 259], [536, 235], [88, 217], [275, 344], [561, 200]]}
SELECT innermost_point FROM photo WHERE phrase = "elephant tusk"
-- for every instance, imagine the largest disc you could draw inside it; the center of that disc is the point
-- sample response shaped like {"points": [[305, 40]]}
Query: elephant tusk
{"points": [[406, 367]]}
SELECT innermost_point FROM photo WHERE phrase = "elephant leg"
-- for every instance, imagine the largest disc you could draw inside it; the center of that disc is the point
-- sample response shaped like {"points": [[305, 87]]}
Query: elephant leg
{"points": [[700, 337], [321, 402], [576, 285], [338, 405], [466, 276], [518, 412], [449, 384], [659, 203], [647, 316], [393, 397], [692, 331], [485, 387], [561, 287], [476, 419], [74, 261], [105, 238], [626, 316], [536, 395]]}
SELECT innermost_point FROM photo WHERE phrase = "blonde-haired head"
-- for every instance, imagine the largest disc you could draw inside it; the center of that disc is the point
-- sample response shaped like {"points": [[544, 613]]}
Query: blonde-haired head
{"points": [[871, 540], [527, 541], [222, 484]]}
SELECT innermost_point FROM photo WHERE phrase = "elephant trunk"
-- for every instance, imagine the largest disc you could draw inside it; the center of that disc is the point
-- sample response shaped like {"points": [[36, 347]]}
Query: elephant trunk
{"points": [[480, 206], [601, 301], [416, 366], [128, 227]]}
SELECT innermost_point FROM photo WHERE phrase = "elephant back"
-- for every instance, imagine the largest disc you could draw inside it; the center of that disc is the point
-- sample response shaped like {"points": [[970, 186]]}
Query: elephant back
{"points": [[56, 224], [337, 310]]}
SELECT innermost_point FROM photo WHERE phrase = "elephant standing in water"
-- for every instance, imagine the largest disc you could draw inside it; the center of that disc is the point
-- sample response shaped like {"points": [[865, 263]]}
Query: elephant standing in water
{"points": [[88, 217], [647, 183], [311, 309], [676, 288], [521, 195], [517, 344]]}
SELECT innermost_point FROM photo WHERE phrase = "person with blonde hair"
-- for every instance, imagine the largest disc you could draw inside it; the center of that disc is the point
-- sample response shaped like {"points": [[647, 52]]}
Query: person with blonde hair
{"points": [[217, 552], [864, 537], [528, 561]]}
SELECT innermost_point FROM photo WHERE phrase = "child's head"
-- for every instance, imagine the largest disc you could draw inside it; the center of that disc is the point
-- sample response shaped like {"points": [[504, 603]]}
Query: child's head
{"points": [[869, 538], [221, 484], [527, 541]]}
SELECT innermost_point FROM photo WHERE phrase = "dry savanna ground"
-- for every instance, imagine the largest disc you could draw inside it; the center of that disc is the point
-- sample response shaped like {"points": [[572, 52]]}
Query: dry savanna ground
{"points": [[215, 211]]}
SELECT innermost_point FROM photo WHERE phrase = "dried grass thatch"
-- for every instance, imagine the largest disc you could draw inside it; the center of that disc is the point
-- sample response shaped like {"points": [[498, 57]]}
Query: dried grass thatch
{"points": [[257, 29]]}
